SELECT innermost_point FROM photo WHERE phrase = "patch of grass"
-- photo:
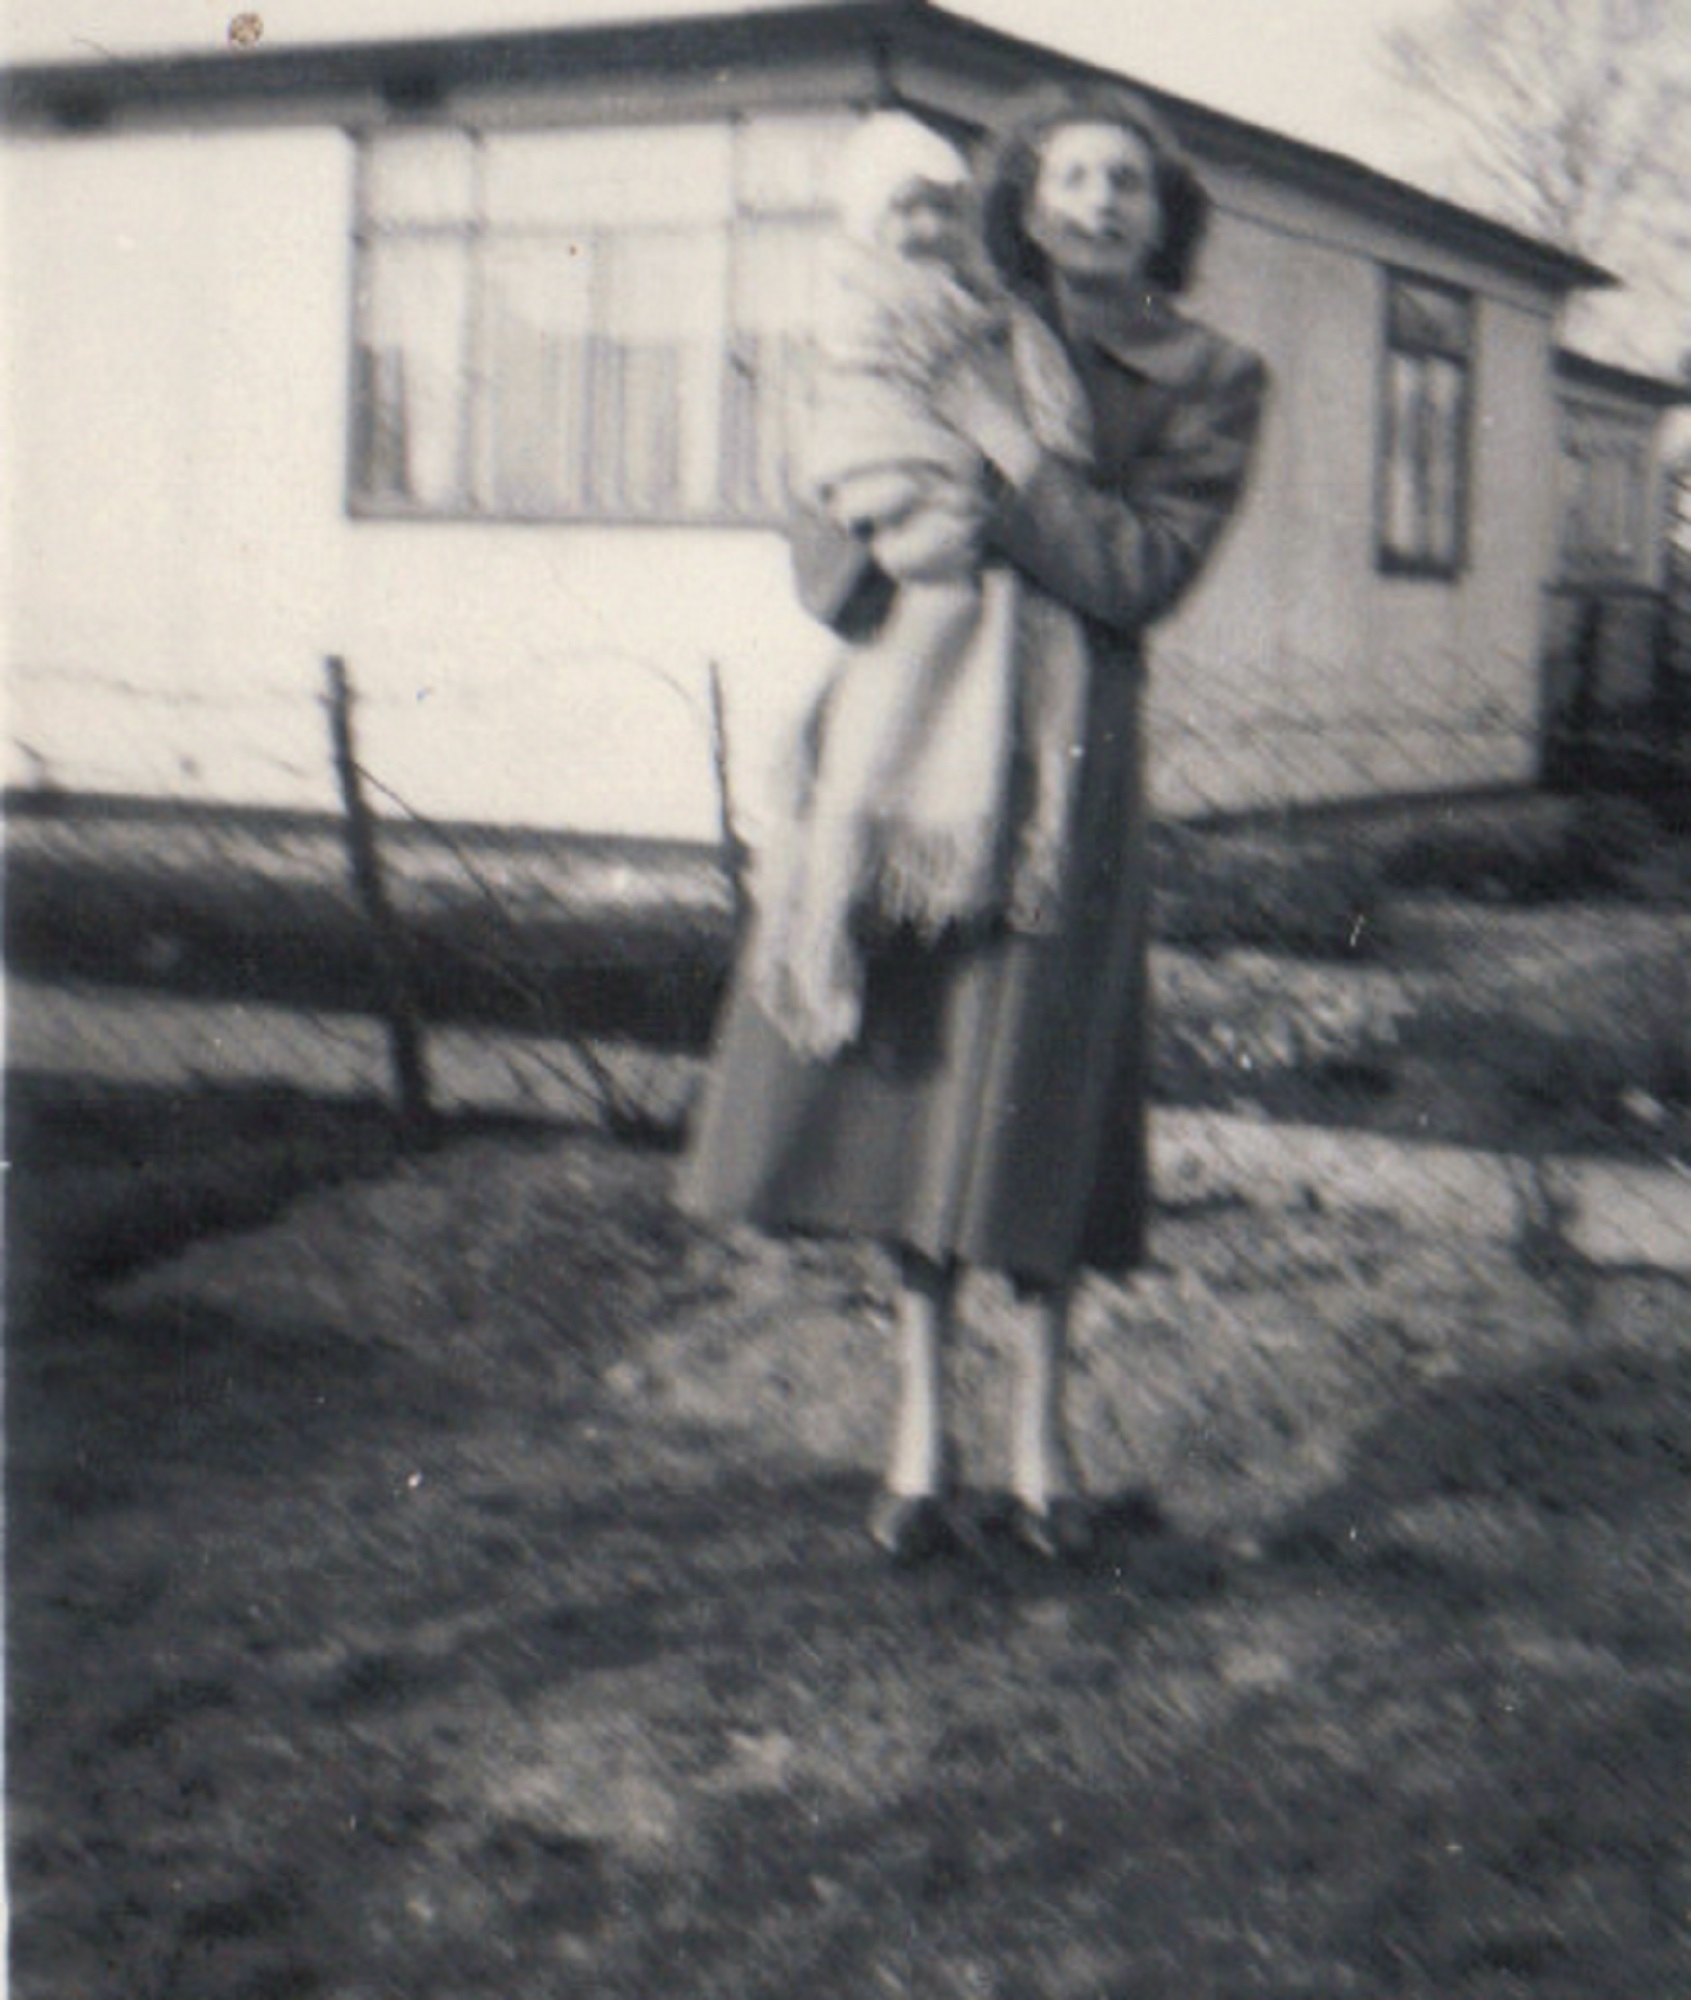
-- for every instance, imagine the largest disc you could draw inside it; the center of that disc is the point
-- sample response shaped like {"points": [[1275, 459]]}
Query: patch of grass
{"points": [[1321, 886], [1610, 1049], [111, 1178], [1538, 850], [1248, 1022], [1298, 892]]}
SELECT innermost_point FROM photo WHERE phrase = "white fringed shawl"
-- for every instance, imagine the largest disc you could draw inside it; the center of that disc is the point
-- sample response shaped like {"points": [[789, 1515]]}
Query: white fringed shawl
{"points": [[899, 807]]}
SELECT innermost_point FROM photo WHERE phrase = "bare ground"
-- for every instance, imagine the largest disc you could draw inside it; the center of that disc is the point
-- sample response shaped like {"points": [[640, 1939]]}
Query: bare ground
{"points": [[456, 1588]]}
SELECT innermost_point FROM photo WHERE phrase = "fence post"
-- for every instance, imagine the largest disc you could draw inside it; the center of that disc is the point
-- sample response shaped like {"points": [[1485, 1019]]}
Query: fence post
{"points": [[734, 851], [393, 957], [1676, 623]]}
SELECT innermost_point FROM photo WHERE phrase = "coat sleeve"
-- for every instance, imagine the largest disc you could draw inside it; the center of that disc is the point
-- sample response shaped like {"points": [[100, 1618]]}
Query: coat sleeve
{"points": [[1124, 554]]}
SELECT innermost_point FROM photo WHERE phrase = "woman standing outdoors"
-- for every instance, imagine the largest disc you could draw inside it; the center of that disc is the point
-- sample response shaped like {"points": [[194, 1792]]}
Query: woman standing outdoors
{"points": [[991, 1111]]}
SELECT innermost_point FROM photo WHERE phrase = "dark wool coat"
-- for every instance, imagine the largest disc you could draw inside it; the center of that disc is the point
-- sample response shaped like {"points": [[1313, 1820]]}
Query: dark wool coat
{"points": [[993, 1109]]}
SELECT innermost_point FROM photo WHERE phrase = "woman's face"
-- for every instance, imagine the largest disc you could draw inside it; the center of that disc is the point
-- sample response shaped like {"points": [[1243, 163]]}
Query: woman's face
{"points": [[1094, 210]]}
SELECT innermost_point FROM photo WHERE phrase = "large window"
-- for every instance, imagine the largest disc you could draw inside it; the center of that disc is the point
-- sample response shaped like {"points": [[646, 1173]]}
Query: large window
{"points": [[1427, 397], [598, 324]]}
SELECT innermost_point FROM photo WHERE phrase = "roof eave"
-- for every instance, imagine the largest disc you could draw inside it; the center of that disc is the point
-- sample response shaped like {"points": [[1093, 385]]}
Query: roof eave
{"points": [[1224, 139], [91, 93], [1661, 392], [416, 74]]}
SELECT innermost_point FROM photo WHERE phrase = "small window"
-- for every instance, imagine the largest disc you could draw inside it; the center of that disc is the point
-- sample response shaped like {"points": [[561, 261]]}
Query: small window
{"points": [[602, 325], [1424, 430], [1605, 499]]}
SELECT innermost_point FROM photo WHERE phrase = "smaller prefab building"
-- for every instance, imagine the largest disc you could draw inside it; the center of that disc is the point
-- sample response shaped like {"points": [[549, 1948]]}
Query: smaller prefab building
{"points": [[478, 363], [1617, 665], [1614, 491]]}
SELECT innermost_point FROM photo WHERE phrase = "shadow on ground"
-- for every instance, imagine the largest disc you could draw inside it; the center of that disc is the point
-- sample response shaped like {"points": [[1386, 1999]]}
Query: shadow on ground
{"points": [[374, 1630]]}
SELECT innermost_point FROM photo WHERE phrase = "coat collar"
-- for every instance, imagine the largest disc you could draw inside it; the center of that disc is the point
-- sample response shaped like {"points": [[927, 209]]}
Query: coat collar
{"points": [[1160, 344], [1170, 360]]}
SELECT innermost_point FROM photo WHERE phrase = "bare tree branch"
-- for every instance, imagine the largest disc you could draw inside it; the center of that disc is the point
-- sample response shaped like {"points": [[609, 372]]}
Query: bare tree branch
{"points": [[1571, 119]]}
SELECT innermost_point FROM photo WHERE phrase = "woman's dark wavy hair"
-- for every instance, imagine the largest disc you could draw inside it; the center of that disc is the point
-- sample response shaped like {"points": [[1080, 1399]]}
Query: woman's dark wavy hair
{"points": [[1010, 166]]}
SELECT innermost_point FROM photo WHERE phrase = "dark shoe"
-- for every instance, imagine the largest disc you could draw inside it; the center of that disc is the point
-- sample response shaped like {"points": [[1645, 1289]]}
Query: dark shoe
{"points": [[910, 1528], [1059, 1532]]}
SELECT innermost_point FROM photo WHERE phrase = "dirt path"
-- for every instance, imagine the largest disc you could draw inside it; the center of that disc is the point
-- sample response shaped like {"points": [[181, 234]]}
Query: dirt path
{"points": [[457, 1589]]}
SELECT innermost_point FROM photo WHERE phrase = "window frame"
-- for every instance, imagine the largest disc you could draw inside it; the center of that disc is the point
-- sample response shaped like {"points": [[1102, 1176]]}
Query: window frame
{"points": [[1390, 560], [481, 237], [1607, 474], [361, 503]]}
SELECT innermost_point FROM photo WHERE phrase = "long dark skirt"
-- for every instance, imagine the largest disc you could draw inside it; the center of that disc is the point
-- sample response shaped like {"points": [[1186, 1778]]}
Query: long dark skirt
{"points": [[993, 1108]]}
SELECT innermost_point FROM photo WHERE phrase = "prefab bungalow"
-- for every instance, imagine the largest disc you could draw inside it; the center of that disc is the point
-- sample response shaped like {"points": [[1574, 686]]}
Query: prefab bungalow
{"points": [[476, 361]]}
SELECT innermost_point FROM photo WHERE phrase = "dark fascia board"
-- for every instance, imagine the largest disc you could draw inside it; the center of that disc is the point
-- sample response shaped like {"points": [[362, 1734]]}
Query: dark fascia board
{"points": [[419, 73], [91, 94], [1657, 392]]}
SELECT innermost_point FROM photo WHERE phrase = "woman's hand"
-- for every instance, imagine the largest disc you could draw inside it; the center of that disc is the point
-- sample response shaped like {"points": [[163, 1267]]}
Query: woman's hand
{"points": [[989, 417]]}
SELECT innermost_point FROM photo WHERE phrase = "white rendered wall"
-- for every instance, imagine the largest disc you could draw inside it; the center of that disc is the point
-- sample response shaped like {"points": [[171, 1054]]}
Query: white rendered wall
{"points": [[1417, 682], [181, 558]]}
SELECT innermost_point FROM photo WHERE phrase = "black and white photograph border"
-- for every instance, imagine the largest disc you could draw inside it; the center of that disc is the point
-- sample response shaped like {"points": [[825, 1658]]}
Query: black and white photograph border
{"points": [[847, 990]]}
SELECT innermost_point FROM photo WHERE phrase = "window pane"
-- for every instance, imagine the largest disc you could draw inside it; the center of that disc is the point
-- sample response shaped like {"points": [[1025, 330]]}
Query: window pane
{"points": [[1423, 472], [1621, 494], [1426, 319], [657, 372], [413, 324], [787, 164], [1576, 481], [589, 180], [778, 273], [1443, 459], [538, 302], [1402, 525], [1606, 513], [420, 177], [1633, 483]]}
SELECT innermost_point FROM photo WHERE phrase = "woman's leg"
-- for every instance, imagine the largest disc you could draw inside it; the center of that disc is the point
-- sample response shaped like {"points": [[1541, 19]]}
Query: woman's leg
{"points": [[1050, 1516], [917, 1452], [1041, 1464], [909, 1520]]}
